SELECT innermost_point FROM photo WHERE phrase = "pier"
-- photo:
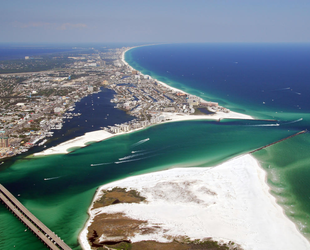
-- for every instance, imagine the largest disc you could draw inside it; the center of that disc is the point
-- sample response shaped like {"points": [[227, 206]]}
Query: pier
{"points": [[49, 238]]}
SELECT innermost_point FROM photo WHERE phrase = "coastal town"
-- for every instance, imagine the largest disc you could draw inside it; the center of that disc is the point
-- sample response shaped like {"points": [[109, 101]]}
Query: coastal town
{"points": [[33, 104]]}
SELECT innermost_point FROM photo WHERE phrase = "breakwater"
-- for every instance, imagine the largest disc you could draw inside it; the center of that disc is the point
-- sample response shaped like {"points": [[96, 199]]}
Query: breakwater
{"points": [[268, 145]]}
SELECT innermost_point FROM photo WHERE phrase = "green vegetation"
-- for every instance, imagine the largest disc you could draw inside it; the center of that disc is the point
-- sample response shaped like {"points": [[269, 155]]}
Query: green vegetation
{"points": [[203, 111], [118, 195], [33, 65], [207, 244]]}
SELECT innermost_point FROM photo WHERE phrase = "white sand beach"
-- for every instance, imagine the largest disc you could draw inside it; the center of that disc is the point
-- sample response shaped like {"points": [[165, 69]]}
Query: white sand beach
{"points": [[80, 142], [101, 135], [228, 202]]}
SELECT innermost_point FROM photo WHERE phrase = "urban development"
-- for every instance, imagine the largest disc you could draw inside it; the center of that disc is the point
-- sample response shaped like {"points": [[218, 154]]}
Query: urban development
{"points": [[33, 104]]}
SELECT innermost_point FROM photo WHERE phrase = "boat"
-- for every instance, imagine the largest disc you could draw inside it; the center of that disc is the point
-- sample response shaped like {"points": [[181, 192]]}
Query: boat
{"points": [[41, 143]]}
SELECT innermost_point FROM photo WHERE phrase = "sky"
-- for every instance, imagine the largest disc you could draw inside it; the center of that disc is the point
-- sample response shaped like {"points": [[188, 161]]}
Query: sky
{"points": [[147, 21]]}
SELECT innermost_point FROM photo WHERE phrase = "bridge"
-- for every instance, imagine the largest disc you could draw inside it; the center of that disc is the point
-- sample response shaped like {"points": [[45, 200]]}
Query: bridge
{"points": [[50, 239]]}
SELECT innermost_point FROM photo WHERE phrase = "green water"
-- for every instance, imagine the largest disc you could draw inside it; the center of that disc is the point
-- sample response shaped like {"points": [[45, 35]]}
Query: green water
{"points": [[58, 189], [62, 199], [287, 164]]}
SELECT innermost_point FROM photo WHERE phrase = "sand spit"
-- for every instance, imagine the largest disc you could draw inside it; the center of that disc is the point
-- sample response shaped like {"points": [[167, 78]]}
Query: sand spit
{"points": [[229, 202], [77, 142]]}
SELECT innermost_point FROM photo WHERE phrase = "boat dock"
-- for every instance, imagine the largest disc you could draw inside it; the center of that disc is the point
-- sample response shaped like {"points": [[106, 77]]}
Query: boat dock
{"points": [[49, 238]]}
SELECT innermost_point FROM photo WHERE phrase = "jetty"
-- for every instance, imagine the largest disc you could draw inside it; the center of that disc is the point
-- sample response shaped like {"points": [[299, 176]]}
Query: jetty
{"points": [[49, 238], [299, 133]]}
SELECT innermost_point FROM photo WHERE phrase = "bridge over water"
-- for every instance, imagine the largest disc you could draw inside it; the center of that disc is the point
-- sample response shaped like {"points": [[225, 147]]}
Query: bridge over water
{"points": [[49, 238]]}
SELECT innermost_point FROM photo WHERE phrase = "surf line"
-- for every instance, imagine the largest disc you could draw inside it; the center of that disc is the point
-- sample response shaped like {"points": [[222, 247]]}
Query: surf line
{"points": [[301, 132]]}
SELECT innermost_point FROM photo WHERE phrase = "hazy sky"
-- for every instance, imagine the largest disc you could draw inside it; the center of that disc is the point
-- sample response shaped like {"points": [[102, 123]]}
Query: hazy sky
{"points": [[38, 21]]}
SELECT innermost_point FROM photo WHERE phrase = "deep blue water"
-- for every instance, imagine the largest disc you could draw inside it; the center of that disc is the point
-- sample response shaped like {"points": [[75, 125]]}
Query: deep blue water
{"points": [[245, 77], [239, 76], [267, 81]]}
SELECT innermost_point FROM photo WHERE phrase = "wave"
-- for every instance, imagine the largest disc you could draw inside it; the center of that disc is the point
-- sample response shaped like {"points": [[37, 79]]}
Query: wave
{"points": [[140, 142], [52, 178]]}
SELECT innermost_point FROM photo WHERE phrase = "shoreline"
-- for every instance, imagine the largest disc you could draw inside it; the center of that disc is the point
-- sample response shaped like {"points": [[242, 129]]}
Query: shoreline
{"points": [[230, 202], [101, 135]]}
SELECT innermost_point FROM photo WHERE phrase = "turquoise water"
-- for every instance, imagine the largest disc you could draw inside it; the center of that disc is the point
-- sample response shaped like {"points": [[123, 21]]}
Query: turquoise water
{"points": [[267, 81], [58, 189], [62, 200]]}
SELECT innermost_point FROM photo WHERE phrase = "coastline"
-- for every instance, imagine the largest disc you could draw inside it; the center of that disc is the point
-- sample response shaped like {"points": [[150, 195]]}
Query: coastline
{"points": [[101, 135], [289, 232], [229, 202]]}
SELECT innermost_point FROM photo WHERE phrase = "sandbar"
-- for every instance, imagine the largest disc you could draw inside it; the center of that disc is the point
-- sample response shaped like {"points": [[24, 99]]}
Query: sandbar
{"points": [[81, 141], [229, 202]]}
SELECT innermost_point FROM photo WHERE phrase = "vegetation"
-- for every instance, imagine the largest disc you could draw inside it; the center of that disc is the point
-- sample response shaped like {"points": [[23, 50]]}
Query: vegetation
{"points": [[207, 244], [118, 195], [203, 111]]}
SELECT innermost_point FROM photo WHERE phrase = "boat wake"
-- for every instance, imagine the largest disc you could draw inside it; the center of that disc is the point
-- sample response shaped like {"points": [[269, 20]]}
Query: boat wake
{"points": [[140, 142], [52, 178], [288, 88], [282, 89], [265, 125], [131, 156], [100, 164], [298, 120], [137, 151], [135, 159]]}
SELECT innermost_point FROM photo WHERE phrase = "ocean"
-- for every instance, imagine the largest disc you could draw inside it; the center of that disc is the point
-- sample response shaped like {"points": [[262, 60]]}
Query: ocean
{"points": [[267, 81]]}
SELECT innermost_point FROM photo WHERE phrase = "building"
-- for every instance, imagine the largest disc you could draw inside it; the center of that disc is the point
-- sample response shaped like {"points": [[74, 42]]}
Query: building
{"points": [[4, 142], [58, 110], [209, 104], [125, 128]]}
